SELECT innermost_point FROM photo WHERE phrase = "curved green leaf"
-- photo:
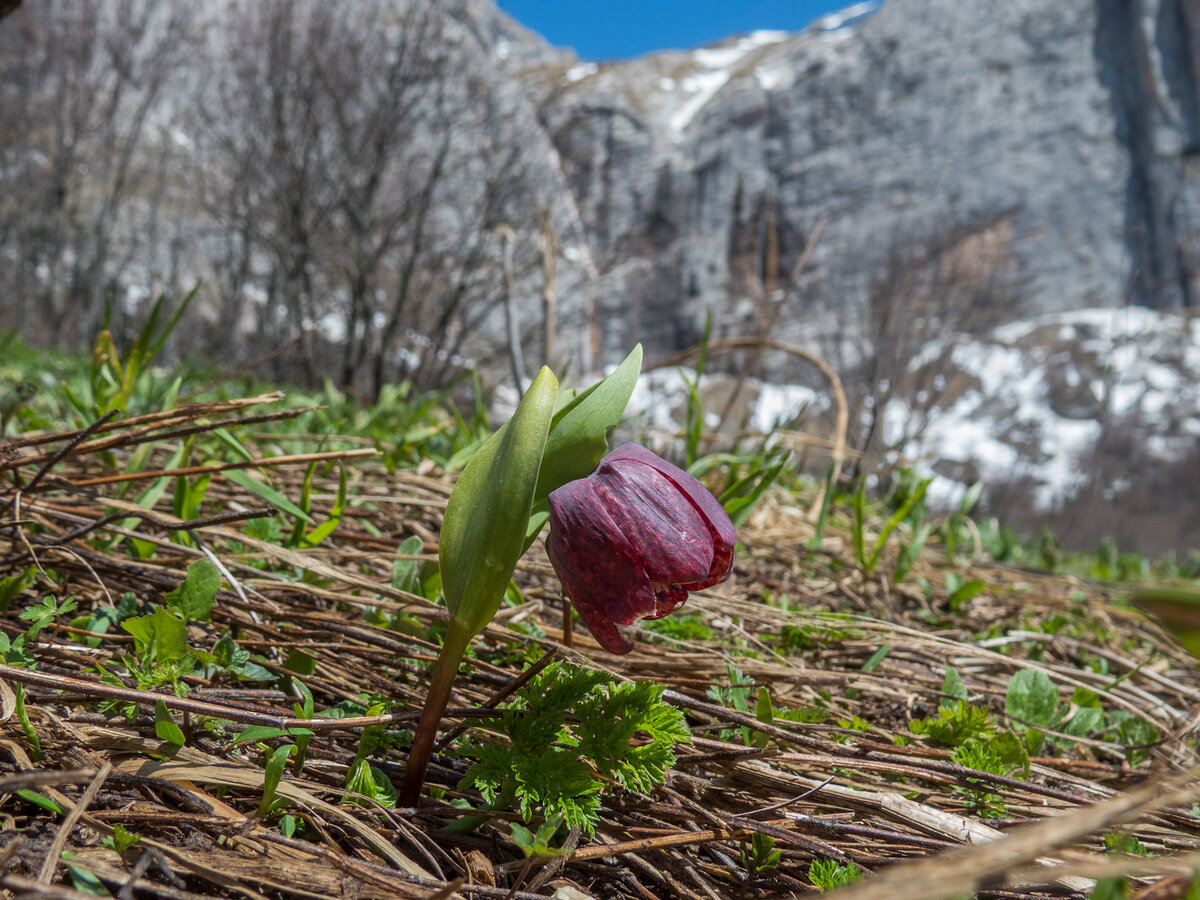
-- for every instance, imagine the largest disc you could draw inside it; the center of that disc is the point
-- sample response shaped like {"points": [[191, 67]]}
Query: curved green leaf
{"points": [[483, 532], [579, 434]]}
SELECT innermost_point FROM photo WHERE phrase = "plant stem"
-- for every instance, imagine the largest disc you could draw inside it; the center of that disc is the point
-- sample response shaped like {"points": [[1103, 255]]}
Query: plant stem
{"points": [[440, 685]]}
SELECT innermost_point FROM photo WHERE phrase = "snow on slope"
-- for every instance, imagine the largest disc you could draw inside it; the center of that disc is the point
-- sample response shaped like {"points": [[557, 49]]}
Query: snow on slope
{"points": [[671, 88], [1027, 403], [715, 67], [1042, 392]]}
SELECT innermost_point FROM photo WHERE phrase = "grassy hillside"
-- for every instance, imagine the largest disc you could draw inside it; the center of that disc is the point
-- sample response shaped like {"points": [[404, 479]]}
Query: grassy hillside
{"points": [[220, 608]]}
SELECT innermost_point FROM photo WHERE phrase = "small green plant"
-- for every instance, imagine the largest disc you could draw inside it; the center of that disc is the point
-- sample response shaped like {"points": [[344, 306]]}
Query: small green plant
{"points": [[13, 585], [908, 504], [625, 734], [121, 839], [987, 756], [230, 657], [960, 591], [1032, 704], [114, 379], [956, 724], [364, 778], [272, 776], [539, 843], [736, 695], [761, 470], [829, 874], [1123, 842], [44, 615], [682, 626], [760, 854]]}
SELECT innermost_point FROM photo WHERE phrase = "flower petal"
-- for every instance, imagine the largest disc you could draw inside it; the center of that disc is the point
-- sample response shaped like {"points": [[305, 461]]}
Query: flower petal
{"points": [[599, 569], [721, 533], [669, 537]]}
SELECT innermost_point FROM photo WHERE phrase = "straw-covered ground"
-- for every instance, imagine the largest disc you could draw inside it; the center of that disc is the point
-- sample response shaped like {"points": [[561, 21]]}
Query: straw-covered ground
{"points": [[892, 737]]}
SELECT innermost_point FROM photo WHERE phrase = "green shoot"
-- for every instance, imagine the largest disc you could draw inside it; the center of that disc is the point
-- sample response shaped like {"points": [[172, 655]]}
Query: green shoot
{"points": [[829, 874], [760, 854], [551, 767]]}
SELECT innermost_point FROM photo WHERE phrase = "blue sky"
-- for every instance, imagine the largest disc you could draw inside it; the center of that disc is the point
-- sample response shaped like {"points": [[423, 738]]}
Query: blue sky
{"points": [[620, 29]]}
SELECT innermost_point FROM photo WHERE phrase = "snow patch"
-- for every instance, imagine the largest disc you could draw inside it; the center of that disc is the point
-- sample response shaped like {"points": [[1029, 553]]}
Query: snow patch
{"points": [[770, 78], [1007, 427], [846, 18], [730, 54], [703, 86], [580, 72], [778, 403], [719, 63]]}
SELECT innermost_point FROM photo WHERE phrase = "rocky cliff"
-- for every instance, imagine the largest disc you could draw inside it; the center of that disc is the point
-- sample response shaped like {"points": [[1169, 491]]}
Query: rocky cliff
{"points": [[1045, 152], [950, 200]]}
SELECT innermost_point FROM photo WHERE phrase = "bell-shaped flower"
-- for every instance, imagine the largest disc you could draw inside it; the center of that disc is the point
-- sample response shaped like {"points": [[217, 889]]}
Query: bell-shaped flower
{"points": [[630, 540]]}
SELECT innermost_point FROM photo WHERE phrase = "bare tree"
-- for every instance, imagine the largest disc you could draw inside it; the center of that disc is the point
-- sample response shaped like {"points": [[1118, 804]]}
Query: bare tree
{"points": [[932, 288], [82, 80], [356, 169]]}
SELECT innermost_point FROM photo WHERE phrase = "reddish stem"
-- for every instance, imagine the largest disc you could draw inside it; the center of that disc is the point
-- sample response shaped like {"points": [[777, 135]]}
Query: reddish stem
{"points": [[440, 685], [568, 624]]}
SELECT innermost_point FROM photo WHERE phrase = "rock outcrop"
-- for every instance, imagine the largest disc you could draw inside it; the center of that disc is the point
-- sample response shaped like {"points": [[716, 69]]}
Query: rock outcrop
{"points": [[1065, 137]]}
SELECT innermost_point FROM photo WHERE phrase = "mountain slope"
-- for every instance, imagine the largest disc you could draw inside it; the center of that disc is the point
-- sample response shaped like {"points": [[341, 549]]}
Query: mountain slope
{"points": [[1061, 136]]}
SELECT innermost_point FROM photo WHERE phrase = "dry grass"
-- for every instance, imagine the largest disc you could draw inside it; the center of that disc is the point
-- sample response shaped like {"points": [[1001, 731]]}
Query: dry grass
{"points": [[821, 790]]}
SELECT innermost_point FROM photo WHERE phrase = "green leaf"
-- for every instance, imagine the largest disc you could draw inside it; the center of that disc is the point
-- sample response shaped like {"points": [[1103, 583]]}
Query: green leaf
{"points": [[244, 479], [1086, 720], [159, 637], [859, 525], [764, 710], [739, 499], [85, 882], [876, 658], [370, 781], [964, 592], [404, 571], [952, 687], [522, 837], [1009, 750], [316, 535], [258, 733], [272, 775], [300, 662], [897, 517], [1031, 698], [970, 498], [121, 839], [195, 596], [38, 800], [165, 727], [13, 585], [226, 438], [483, 531], [578, 437]]}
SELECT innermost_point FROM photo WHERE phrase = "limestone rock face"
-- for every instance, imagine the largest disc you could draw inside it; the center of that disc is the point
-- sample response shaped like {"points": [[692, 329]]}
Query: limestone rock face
{"points": [[1049, 148]]}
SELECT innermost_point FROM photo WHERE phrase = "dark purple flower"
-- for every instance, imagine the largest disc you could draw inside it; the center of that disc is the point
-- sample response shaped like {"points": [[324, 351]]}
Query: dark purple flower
{"points": [[629, 541]]}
